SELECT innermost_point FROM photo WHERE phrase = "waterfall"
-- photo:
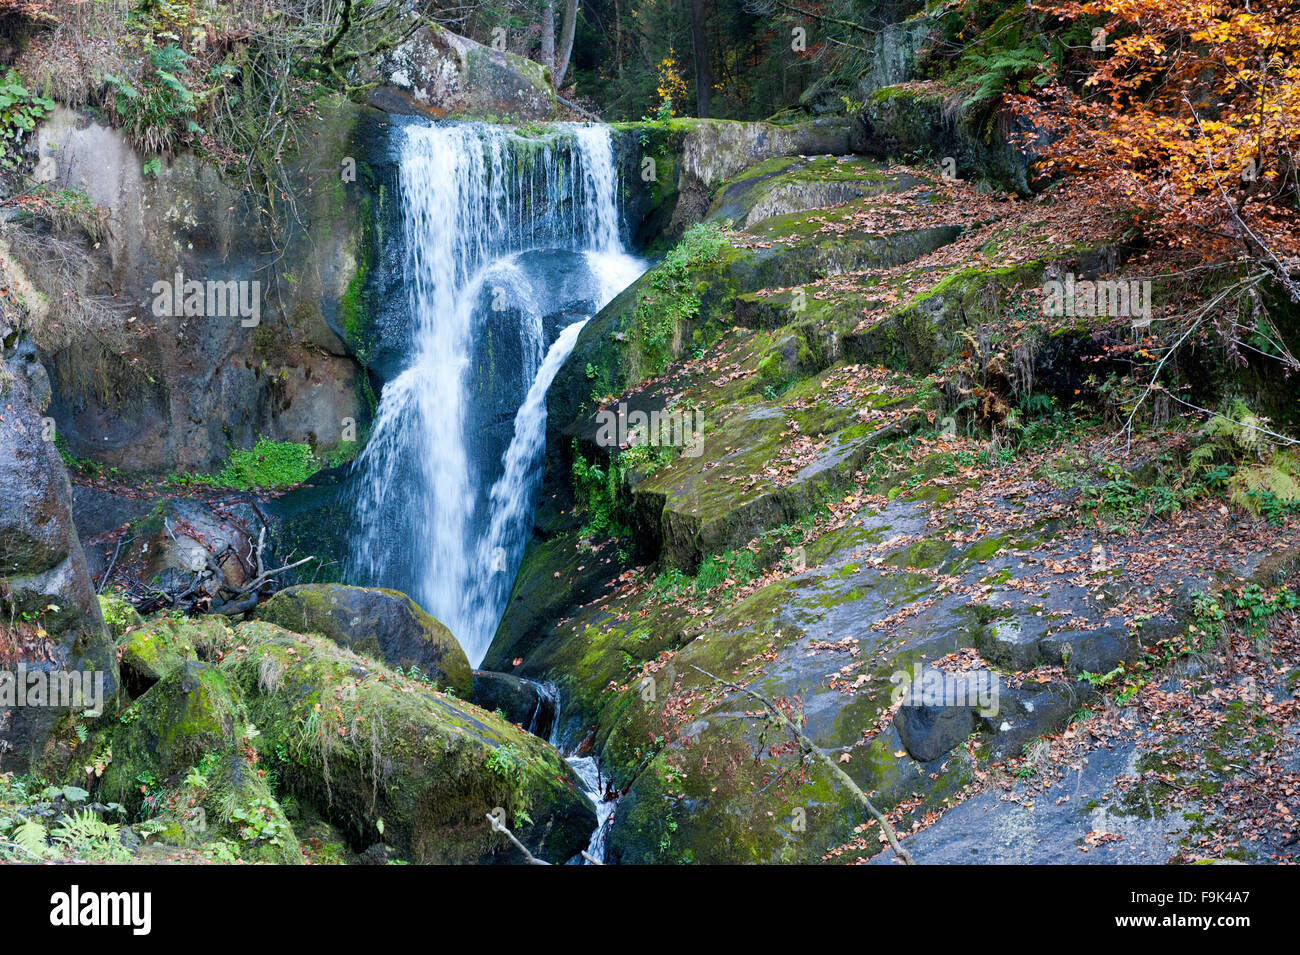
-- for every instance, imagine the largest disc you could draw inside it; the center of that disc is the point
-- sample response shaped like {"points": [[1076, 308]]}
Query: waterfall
{"points": [[509, 240]]}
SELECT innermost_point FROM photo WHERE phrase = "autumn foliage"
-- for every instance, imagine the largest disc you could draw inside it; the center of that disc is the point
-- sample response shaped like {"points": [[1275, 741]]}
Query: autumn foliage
{"points": [[1187, 113]]}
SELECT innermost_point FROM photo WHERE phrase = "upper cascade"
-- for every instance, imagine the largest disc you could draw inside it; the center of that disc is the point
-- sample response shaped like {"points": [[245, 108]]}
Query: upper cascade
{"points": [[507, 239]]}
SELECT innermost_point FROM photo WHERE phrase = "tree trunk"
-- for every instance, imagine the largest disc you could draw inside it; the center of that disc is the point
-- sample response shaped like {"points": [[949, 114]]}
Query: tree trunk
{"points": [[548, 36], [703, 70], [618, 37], [566, 41]]}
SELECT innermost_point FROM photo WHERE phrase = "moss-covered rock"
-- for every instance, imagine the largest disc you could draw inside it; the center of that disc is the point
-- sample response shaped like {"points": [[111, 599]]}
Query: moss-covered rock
{"points": [[383, 624], [149, 654], [675, 166], [190, 712], [797, 184], [180, 756], [920, 119], [119, 615], [153, 650], [390, 759]]}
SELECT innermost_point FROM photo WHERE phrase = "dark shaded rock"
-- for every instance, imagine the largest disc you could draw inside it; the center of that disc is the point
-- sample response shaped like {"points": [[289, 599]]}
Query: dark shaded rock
{"points": [[930, 729], [191, 545], [523, 702], [383, 624], [1025, 713], [901, 121]]}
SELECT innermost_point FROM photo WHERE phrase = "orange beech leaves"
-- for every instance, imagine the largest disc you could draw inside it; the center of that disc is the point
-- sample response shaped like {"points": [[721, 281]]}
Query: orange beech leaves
{"points": [[1188, 113]]}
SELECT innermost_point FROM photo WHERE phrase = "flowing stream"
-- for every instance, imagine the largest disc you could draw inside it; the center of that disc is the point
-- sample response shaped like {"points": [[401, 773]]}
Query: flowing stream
{"points": [[511, 244]]}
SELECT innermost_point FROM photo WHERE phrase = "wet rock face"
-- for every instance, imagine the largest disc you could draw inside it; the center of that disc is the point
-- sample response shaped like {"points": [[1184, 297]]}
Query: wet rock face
{"points": [[440, 74], [936, 568], [383, 624], [51, 619], [521, 701], [148, 391]]}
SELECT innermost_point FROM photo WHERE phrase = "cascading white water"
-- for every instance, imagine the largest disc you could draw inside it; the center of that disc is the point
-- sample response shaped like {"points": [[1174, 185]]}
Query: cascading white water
{"points": [[478, 203]]}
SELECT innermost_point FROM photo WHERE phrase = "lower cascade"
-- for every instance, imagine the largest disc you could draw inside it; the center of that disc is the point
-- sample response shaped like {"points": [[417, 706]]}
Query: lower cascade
{"points": [[510, 244]]}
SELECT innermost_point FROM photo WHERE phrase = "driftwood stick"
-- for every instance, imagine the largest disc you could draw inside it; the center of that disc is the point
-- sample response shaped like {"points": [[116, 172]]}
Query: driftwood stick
{"points": [[265, 576]]}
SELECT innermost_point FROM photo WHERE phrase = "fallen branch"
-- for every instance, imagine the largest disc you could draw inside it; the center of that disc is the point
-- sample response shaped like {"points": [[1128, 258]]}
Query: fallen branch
{"points": [[810, 747], [578, 109], [111, 564], [500, 827]]}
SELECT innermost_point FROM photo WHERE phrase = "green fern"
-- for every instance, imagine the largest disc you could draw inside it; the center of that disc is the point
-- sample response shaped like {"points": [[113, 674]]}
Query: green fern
{"points": [[999, 72], [1274, 486], [30, 835], [85, 835], [1234, 430]]}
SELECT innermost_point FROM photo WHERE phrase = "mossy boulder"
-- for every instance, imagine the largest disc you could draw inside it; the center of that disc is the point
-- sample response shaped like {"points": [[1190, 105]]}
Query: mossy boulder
{"points": [[148, 655], [924, 120], [383, 624], [798, 184], [188, 713], [180, 755], [166, 643], [389, 759], [689, 158], [119, 615]]}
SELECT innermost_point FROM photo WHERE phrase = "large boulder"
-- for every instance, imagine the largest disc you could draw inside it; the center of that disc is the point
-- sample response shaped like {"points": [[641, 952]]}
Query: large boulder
{"points": [[389, 759], [383, 624], [928, 725], [922, 121], [51, 621], [441, 74], [690, 158]]}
